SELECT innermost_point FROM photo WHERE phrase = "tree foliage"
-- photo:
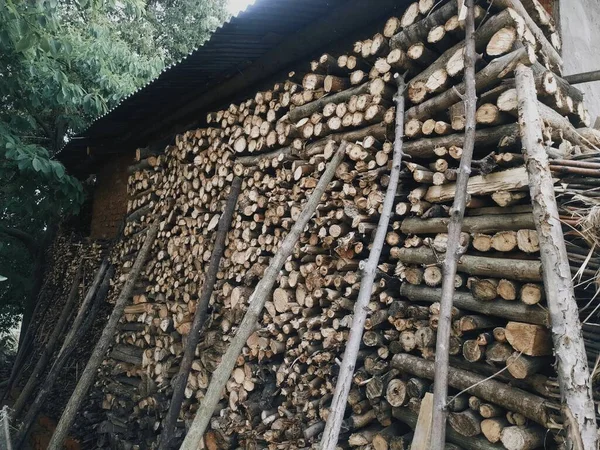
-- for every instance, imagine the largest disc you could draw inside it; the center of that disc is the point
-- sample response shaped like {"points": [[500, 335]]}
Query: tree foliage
{"points": [[62, 64]]}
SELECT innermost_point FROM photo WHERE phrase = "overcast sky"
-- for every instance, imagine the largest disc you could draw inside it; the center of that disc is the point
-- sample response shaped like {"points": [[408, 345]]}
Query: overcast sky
{"points": [[235, 6]]}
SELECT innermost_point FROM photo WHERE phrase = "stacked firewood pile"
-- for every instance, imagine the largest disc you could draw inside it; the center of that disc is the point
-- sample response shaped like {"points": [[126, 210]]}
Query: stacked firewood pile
{"points": [[279, 141], [70, 258]]}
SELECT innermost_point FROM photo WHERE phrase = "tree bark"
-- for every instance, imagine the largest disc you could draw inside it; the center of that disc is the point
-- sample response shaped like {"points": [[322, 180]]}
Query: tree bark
{"points": [[89, 373], [476, 224], [180, 381], [586, 77], [573, 371], [257, 302], [344, 381]]}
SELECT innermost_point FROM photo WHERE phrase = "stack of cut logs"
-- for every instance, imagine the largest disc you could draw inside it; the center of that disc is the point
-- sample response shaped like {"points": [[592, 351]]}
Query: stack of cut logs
{"points": [[68, 254], [279, 141]]}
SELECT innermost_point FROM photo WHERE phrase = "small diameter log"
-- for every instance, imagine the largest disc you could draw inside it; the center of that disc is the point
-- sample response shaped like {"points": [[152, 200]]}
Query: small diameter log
{"points": [[522, 366], [180, 382], [492, 428], [488, 77], [531, 406], [507, 180], [522, 270], [344, 382], [523, 438], [465, 423], [547, 48], [532, 340], [464, 300], [405, 415], [573, 371], [257, 302], [91, 368], [426, 147], [417, 32], [475, 224]]}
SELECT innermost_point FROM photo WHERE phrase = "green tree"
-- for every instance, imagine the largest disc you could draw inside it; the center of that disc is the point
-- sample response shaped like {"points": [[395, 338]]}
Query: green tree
{"points": [[62, 64]]}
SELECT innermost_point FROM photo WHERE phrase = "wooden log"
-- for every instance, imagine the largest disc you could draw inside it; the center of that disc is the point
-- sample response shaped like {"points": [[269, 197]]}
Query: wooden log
{"points": [[531, 406], [492, 428], [334, 421], [425, 148], [89, 373], [532, 340], [465, 423], [522, 270], [523, 438], [464, 300], [507, 180], [548, 50], [257, 303], [180, 382], [404, 414], [488, 77], [418, 31], [476, 224], [521, 366], [562, 307]]}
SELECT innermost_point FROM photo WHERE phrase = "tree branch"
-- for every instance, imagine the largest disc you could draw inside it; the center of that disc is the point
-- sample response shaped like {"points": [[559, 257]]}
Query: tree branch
{"points": [[22, 236]]}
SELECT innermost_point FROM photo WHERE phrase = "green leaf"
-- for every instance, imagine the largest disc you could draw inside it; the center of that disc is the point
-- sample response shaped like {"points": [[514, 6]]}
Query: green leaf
{"points": [[59, 170], [37, 164], [25, 43], [44, 45]]}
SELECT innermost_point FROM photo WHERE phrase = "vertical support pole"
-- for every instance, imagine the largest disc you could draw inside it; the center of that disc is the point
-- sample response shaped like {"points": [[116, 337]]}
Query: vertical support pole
{"points": [[572, 367], [454, 250], [344, 381]]}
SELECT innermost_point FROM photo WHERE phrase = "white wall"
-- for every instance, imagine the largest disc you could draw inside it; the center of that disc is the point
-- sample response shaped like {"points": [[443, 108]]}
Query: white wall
{"points": [[580, 30]]}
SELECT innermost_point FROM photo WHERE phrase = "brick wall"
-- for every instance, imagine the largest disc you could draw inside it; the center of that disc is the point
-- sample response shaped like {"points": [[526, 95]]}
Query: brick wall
{"points": [[110, 197]]}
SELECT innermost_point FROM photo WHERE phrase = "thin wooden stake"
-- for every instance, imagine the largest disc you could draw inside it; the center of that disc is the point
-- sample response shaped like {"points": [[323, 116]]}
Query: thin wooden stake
{"points": [[36, 374], [89, 373], [454, 250], [199, 316], [344, 381], [586, 77], [257, 302], [573, 372]]}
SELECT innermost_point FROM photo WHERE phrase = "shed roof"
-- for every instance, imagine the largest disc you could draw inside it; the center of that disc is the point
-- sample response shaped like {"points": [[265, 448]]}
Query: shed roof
{"points": [[266, 39]]}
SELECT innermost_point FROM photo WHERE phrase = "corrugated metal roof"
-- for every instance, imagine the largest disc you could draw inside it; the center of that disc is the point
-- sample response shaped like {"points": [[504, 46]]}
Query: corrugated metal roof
{"points": [[232, 49]]}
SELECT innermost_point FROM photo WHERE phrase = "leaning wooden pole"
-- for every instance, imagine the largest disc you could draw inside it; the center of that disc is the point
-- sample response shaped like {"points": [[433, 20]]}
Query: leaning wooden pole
{"points": [[344, 381], [199, 317], [572, 367], [586, 77], [257, 301], [89, 373], [454, 250], [40, 366]]}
